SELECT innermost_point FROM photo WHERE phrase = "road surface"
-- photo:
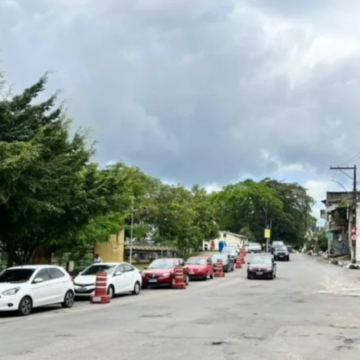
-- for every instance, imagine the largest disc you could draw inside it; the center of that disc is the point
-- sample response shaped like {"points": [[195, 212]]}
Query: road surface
{"points": [[311, 311]]}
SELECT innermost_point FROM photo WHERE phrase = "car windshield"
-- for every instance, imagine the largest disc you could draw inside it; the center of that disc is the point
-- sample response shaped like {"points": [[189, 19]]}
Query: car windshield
{"points": [[261, 260], [218, 257], [162, 264], [16, 275], [93, 269], [281, 248], [195, 261], [229, 249]]}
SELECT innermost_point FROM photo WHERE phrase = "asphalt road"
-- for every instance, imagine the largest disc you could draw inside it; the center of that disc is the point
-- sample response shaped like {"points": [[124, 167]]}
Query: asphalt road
{"points": [[311, 311]]}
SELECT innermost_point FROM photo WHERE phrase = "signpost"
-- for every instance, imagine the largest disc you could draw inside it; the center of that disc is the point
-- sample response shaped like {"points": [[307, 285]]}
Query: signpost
{"points": [[267, 236]]}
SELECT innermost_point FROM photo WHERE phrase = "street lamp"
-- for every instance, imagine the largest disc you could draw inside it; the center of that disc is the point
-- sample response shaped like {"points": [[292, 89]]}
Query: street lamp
{"points": [[131, 227]]}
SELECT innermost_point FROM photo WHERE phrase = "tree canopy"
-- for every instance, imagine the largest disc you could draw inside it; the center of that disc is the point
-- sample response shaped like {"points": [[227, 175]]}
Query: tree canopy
{"points": [[53, 194]]}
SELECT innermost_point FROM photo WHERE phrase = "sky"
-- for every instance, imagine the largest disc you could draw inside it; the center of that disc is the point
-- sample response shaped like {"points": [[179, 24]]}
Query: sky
{"points": [[200, 91]]}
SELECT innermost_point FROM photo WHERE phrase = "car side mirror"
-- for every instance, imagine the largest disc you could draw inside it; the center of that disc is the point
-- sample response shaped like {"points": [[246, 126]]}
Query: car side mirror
{"points": [[38, 280], [118, 273]]}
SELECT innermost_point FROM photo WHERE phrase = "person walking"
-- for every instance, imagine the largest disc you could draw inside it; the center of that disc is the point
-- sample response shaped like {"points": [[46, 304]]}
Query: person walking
{"points": [[97, 259]]}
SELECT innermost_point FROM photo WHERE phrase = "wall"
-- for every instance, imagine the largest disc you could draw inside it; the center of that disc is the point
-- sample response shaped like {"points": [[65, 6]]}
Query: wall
{"points": [[229, 238], [112, 250]]}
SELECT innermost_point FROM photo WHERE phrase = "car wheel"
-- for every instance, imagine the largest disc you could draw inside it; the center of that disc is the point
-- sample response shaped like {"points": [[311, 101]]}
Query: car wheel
{"points": [[111, 291], [137, 288], [25, 306], [249, 277], [69, 299], [212, 276], [272, 276], [288, 259]]}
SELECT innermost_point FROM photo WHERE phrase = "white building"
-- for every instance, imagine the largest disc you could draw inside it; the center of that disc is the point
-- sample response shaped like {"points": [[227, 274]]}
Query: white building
{"points": [[227, 236]]}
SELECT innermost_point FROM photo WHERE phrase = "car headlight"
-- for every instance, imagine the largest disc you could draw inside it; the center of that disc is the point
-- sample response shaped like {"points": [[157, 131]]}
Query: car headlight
{"points": [[269, 269], [251, 268], [11, 291], [165, 274]]}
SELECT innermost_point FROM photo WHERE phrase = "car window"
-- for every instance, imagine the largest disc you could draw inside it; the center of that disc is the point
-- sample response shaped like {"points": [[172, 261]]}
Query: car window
{"points": [[128, 267], [120, 268], [93, 269], [16, 275], [56, 273], [43, 274]]}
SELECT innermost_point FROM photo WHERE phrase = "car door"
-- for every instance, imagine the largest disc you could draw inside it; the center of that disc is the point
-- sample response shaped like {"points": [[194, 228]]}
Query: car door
{"points": [[59, 284], [41, 293], [119, 281], [130, 277]]}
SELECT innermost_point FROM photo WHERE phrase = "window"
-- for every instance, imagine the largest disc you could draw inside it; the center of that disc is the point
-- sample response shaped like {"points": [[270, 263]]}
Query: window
{"points": [[120, 268], [93, 269], [56, 273], [43, 274], [16, 275], [128, 267]]}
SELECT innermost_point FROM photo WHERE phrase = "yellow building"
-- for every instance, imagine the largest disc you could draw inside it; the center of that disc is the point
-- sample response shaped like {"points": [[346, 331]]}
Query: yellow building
{"points": [[112, 250]]}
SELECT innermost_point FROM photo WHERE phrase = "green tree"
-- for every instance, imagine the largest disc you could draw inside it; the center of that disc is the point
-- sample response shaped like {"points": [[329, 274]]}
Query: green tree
{"points": [[49, 189]]}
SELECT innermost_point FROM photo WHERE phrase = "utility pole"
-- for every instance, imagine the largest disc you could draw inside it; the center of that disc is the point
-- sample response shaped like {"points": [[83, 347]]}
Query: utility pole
{"points": [[131, 228], [352, 212]]}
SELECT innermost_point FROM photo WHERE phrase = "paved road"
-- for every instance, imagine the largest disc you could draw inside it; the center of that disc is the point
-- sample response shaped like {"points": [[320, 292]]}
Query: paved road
{"points": [[311, 311]]}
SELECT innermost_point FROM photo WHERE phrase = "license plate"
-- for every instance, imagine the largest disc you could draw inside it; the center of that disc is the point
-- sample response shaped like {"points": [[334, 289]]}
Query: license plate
{"points": [[81, 289], [96, 299], [281, 255], [259, 273], [153, 280]]}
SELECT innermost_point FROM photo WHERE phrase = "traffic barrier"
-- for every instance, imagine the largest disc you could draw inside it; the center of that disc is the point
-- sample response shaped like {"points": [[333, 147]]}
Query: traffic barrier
{"points": [[179, 278], [219, 269], [100, 296], [239, 262]]}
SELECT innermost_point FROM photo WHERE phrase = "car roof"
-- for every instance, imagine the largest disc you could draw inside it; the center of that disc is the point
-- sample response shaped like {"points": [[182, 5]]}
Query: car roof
{"points": [[167, 259], [35, 267]]}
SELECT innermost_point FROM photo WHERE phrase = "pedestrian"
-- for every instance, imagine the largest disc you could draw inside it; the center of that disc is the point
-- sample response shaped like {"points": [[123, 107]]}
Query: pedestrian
{"points": [[97, 259]]}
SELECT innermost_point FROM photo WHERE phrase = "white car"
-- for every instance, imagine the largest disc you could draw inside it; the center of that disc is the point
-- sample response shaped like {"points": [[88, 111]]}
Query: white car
{"points": [[24, 287], [255, 248], [121, 278]]}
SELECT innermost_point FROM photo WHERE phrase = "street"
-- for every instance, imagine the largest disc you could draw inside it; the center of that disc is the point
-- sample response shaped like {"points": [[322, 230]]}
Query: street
{"points": [[310, 311]]}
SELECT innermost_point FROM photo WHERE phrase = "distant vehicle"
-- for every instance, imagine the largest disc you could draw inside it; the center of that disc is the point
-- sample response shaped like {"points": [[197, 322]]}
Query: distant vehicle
{"points": [[275, 244], [255, 248], [121, 278], [281, 253], [232, 251], [262, 267], [236, 245], [23, 288], [290, 249], [162, 272], [200, 267], [228, 262]]}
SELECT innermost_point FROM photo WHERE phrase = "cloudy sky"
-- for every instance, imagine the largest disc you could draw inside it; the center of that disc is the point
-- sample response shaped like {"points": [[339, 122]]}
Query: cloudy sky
{"points": [[200, 91]]}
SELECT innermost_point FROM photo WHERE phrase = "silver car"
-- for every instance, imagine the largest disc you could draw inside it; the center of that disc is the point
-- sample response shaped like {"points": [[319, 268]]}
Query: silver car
{"points": [[230, 250], [281, 253]]}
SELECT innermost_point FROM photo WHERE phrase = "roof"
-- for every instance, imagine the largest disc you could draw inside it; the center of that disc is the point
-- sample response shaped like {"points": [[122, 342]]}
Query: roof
{"points": [[231, 233], [34, 266]]}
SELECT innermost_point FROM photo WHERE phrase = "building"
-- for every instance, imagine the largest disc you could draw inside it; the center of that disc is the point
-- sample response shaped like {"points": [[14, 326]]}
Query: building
{"points": [[337, 224], [228, 237]]}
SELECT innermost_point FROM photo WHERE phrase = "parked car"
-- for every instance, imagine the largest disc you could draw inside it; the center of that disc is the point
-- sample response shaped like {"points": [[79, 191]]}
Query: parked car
{"points": [[275, 244], [200, 267], [228, 262], [262, 267], [162, 272], [23, 288], [290, 249], [232, 251], [122, 278], [255, 248], [281, 253]]}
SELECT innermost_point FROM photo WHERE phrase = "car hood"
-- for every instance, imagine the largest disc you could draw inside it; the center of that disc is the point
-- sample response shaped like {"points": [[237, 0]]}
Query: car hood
{"points": [[157, 271], [8, 286], [85, 279], [260, 266]]}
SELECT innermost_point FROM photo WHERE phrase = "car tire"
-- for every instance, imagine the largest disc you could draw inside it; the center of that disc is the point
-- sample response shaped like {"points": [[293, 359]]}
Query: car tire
{"points": [[137, 288], [69, 299], [272, 276], [212, 276], [111, 291], [25, 306], [249, 277], [288, 259]]}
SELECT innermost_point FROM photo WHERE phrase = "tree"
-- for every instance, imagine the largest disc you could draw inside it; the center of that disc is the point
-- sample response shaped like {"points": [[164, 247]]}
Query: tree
{"points": [[49, 189]]}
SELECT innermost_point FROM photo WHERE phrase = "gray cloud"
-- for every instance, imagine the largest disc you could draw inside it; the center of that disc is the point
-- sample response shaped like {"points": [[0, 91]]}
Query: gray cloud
{"points": [[191, 91]]}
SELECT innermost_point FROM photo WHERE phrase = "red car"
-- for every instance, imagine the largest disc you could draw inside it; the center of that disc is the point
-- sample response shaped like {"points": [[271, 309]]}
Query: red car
{"points": [[161, 272], [200, 267]]}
